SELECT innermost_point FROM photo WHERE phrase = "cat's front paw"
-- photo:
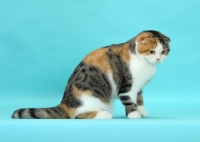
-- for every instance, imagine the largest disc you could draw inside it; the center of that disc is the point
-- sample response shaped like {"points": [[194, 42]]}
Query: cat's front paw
{"points": [[142, 111], [134, 115]]}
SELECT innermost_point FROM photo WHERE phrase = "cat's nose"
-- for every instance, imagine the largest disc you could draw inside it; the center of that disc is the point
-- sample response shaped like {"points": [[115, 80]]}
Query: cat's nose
{"points": [[158, 59]]}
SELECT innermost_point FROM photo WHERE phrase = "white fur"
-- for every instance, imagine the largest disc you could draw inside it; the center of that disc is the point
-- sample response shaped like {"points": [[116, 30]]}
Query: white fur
{"points": [[142, 111], [91, 103], [152, 59], [141, 72], [113, 85], [134, 114], [143, 68], [158, 50], [103, 115]]}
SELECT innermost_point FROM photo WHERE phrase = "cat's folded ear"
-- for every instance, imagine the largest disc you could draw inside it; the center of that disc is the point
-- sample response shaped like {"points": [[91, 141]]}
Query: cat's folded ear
{"points": [[143, 38], [143, 41], [165, 38]]}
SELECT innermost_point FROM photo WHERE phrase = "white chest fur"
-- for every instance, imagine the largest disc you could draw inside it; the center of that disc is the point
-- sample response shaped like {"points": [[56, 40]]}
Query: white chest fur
{"points": [[141, 73]]}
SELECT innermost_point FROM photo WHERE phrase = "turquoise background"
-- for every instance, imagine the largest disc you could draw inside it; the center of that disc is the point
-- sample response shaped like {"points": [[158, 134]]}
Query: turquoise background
{"points": [[42, 41]]}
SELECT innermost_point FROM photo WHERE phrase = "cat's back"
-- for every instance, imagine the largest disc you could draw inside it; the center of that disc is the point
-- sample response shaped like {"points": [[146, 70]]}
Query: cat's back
{"points": [[104, 57], [98, 58]]}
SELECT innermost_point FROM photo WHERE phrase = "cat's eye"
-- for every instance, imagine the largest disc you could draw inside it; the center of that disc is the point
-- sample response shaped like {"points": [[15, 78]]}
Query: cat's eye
{"points": [[164, 52], [152, 52]]}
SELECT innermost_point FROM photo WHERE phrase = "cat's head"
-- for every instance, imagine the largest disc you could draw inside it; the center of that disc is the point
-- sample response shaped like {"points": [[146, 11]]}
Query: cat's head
{"points": [[152, 46]]}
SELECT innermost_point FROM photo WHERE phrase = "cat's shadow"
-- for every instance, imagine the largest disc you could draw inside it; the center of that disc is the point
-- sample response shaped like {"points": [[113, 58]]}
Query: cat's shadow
{"points": [[152, 117]]}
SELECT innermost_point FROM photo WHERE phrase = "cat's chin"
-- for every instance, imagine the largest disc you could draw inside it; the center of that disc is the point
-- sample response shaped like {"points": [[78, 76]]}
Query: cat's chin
{"points": [[150, 61], [154, 62]]}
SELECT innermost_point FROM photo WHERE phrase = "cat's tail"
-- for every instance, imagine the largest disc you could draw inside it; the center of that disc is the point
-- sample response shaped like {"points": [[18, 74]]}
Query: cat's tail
{"points": [[59, 112]]}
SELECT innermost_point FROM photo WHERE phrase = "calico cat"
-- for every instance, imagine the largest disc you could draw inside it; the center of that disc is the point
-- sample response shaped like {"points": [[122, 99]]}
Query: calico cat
{"points": [[116, 71]]}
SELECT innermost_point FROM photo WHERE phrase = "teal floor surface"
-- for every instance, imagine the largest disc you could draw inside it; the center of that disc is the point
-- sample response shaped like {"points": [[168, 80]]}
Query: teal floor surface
{"points": [[171, 122]]}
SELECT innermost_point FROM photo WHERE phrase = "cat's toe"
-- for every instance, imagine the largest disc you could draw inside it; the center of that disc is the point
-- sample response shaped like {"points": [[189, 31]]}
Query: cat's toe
{"points": [[134, 115]]}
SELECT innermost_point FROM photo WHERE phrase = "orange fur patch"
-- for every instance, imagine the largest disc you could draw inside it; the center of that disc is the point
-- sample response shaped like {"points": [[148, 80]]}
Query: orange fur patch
{"points": [[69, 111], [98, 58], [146, 43], [123, 52], [78, 92], [88, 115]]}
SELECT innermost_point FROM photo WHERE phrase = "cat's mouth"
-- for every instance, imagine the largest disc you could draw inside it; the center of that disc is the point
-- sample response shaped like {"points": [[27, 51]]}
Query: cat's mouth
{"points": [[154, 62]]}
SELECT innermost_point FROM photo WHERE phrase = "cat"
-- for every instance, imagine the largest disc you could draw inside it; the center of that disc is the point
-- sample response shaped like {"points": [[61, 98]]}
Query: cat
{"points": [[116, 71]]}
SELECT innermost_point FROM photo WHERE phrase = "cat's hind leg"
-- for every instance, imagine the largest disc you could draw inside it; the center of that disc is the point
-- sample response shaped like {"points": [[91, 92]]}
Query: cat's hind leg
{"points": [[93, 108], [95, 115]]}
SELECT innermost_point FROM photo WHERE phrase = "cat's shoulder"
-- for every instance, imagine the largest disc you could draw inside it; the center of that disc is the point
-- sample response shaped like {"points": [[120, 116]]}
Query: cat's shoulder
{"points": [[101, 57]]}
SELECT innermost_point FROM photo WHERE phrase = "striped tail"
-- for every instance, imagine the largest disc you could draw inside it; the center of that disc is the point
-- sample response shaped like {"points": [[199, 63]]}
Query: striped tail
{"points": [[58, 112]]}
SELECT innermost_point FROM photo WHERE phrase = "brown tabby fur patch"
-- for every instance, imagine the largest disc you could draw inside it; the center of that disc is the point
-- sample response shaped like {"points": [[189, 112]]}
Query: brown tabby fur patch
{"points": [[123, 51], [78, 92], [140, 101]]}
